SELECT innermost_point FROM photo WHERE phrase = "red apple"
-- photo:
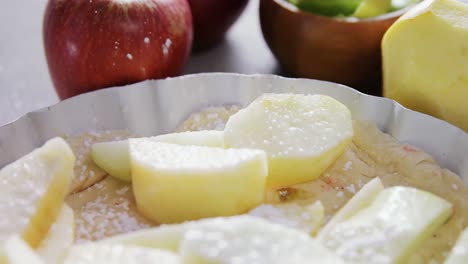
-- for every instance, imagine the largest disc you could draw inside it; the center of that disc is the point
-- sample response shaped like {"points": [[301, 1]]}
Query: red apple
{"points": [[92, 44], [212, 19]]}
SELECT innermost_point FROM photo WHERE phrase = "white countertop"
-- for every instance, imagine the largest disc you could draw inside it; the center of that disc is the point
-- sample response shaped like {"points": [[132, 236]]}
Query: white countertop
{"points": [[24, 78]]}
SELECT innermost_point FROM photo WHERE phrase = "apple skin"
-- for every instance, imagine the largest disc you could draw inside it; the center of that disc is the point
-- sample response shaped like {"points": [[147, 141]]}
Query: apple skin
{"points": [[212, 19], [95, 44]]}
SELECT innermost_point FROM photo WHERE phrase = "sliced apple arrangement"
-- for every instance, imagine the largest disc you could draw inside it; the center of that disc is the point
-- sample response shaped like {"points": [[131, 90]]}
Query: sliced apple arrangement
{"points": [[278, 140], [33, 190], [34, 214], [214, 195], [245, 239]]}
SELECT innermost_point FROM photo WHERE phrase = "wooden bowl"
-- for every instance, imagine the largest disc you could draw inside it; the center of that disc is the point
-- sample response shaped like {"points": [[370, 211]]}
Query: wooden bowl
{"points": [[306, 45]]}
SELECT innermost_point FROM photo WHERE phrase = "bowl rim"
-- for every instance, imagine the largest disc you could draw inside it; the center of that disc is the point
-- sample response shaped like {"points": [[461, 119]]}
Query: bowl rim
{"points": [[194, 75], [445, 142], [352, 20]]}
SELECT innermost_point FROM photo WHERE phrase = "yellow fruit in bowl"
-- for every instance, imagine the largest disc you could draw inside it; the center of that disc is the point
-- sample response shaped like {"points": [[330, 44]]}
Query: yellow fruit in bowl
{"points": [[425, 55], [301, 134], [33, 190], [372, 8], [94, 253], [60, 238], [174, 183], [114, 159]]}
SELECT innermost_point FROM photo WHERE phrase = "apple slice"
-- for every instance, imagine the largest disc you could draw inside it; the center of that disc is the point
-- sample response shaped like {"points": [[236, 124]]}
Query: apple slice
{"points": [[459, 254], [272, 243], [33, 190], [113, 156], [362, 199], [307, 217], [174, 183], [92, 253], [166, 237], [17, 251], [301, 134], [59, 240], [247, 239], [390, 228], [207, 138]]}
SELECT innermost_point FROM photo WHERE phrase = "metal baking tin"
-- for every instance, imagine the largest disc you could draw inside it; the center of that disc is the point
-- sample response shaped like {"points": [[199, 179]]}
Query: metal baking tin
{"points": [[158, 106]]}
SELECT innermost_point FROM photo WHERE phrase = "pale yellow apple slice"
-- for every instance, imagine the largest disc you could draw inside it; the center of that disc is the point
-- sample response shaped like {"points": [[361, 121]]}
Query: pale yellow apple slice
{"points": [[33, 190], [271, 242], [247, 239], [166, 237], [207, 138], [94, 253], [113, 156], [16, 251], [390, 228], [304, 216], [459, 253], [174, 183], [58, 241], [301, 134], [362, 199]]}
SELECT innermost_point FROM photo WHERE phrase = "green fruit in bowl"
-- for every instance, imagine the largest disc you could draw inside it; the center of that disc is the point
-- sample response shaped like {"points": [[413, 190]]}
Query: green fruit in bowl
{"points": [[372, 8], [355, 8], [328, 7]]}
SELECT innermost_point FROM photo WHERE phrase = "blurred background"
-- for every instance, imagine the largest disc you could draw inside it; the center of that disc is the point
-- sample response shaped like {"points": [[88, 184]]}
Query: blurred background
{"points": [[25, 84], [311, 45]]}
